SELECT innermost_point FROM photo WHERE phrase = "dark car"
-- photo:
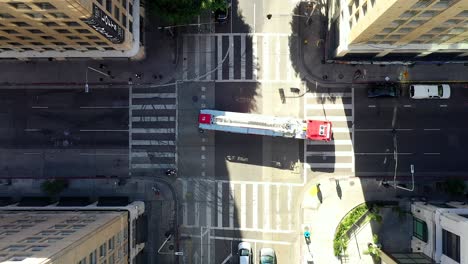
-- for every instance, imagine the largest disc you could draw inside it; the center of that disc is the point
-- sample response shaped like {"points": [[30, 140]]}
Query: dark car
{"points": [[384, 90]]}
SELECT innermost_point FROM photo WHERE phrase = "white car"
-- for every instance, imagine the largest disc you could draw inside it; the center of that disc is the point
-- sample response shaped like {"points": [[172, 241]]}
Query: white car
{"points": [[429, 91], [245, 253]]}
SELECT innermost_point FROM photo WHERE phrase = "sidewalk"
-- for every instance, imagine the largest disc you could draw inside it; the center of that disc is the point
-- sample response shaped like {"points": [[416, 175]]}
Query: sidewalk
{"points": [[323, 218], [311, 48]]}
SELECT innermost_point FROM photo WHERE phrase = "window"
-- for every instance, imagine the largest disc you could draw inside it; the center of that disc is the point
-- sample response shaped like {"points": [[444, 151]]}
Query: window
{"points": [[101, 43], [37, 43], [24, 38], [111, 243], [409, 14], [457, 30], [48, 37], [58, 227], [109, 48], [437, 30], [45, 6], [59, 15], [109, 6], [17, 258], [3, 38], [92, 37], [93, 257], [405, 30], [10, 31], [14, 248], [6, 15], [46, 233], [443, 4], [415, 23], [422, 4], [117, 13], [31, 239], [124, 20], [452, 22], [463, 14], [64, 31], [73, 37], [65, 232], [84, 31], [52, 239], [451, 245], [20, 6], [35, 31], [83, 261], [72, 24], [37, 248], [14, 43], [99, 1], [124, 4], [21, 24], [111, 259], [420, 229], [429, 14], [364, 9], [130, 8], [35, 15], [76, 227], [91, 48], [50, 24], [102, 250]]}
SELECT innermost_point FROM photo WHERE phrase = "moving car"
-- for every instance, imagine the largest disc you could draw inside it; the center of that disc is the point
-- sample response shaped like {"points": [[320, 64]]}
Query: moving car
{"points": [[267, 256], [429, 91], [387, 89], [245, 253]]}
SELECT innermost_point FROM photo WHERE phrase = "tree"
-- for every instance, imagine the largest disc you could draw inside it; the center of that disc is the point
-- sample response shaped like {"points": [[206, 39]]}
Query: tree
{"points": [[53, 187], [175, 12]]}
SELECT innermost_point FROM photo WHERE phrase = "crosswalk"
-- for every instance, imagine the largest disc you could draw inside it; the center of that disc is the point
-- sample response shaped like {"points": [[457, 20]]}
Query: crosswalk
{"points": [[338, 154], [153, 115], [260, 57], [247, 206]]}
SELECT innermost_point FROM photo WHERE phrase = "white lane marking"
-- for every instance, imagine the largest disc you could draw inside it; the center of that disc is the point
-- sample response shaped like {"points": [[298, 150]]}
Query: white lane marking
{"points": [[289, 207], [380, 129], [243, 209], [382, 153], [185, 207], [153, 130], [332, 165], [278, 58], [333, 142], [241, 34], [248, 182], [276, 231], [39, 107], [219, 62], [152, 95], [255, 205], [341, 129], [153, 154], [278, 216], [185, 60], [153, 142], [154, 107], [105, 107], [329, 106], [252, 240], [208, 55], [209, 203], [327, 95], [197, 57], [231, 204], [330, 153], [371, 106], [231, 57], [266, 58], [243, 57], [153, 118], [102, 154], [32, 153], [196, 191], [431, 153], [219, 204], [331, 118], [266, 207], [407, 106], [254, 58], [103, 130], [443, 105], [152, 166], [431, 129]]}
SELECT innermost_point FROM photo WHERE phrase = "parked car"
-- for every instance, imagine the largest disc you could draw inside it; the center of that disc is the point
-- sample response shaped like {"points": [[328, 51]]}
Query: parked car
{"points": [[267, 256], [429, 91], [387, 89], [245, 253]]}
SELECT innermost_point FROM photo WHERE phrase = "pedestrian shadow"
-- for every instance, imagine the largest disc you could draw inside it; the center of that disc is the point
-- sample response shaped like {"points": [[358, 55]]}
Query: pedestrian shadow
{"points": [[319, 193], [338, 189]]}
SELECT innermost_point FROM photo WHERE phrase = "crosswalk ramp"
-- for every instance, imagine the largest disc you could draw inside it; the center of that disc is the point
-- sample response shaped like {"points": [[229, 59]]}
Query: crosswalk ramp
{"points": [[338, 154], [247, 206], [231, 57], [153, 129]]}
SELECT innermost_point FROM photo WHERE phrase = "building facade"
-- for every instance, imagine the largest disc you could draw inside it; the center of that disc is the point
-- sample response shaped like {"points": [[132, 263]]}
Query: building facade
{"points": [[69, 28], [75, 235], [400, 29]]}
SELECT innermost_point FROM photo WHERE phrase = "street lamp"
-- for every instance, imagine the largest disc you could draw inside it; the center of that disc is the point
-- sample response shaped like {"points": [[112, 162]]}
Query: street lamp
{"points": [[412, 180], [96, 70]]}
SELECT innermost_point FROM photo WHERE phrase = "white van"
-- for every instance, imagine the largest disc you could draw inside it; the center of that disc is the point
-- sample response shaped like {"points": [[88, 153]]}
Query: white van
{"points": [[429, 91], [245, 253]]}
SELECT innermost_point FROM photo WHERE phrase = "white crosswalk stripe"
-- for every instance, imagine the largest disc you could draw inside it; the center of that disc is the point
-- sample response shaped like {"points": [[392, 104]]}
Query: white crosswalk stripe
{"points": [[338, 154], [153, 115], [245, 206], [227, 57]]}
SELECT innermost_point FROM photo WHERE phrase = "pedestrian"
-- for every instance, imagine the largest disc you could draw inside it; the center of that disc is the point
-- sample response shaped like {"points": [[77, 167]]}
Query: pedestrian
{"points": [[138, 75]]}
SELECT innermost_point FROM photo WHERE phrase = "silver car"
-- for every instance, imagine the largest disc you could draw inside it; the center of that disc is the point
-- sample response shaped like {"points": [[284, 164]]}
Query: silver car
{"points": [[267, 256]]}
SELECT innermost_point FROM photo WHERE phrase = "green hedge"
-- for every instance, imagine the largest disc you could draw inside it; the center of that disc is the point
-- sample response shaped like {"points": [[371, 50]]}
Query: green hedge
{"points": [[340, 243]]}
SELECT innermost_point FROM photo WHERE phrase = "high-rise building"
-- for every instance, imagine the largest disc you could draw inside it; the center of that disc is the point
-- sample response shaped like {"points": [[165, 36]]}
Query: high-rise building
{"points": [[399, 29], [69, 28], [75, 235]]}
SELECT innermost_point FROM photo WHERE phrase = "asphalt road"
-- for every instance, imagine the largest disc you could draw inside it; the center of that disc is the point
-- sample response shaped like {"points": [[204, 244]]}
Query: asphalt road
{"points": [[430, 134], [64, 132]]}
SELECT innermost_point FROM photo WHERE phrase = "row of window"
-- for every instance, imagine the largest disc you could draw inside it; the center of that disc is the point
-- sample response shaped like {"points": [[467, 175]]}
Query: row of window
{"points": [[53, 49], [37, 31], [107, 250], [56, 15], [40, 5]]}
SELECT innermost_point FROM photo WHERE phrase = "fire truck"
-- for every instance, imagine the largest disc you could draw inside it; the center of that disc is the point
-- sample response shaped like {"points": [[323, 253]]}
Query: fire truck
{"points": [[246, 123]]}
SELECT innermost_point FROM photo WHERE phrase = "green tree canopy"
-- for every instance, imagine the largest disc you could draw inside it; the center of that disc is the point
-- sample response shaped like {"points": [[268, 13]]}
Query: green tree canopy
{"points": [[179, 12]]}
